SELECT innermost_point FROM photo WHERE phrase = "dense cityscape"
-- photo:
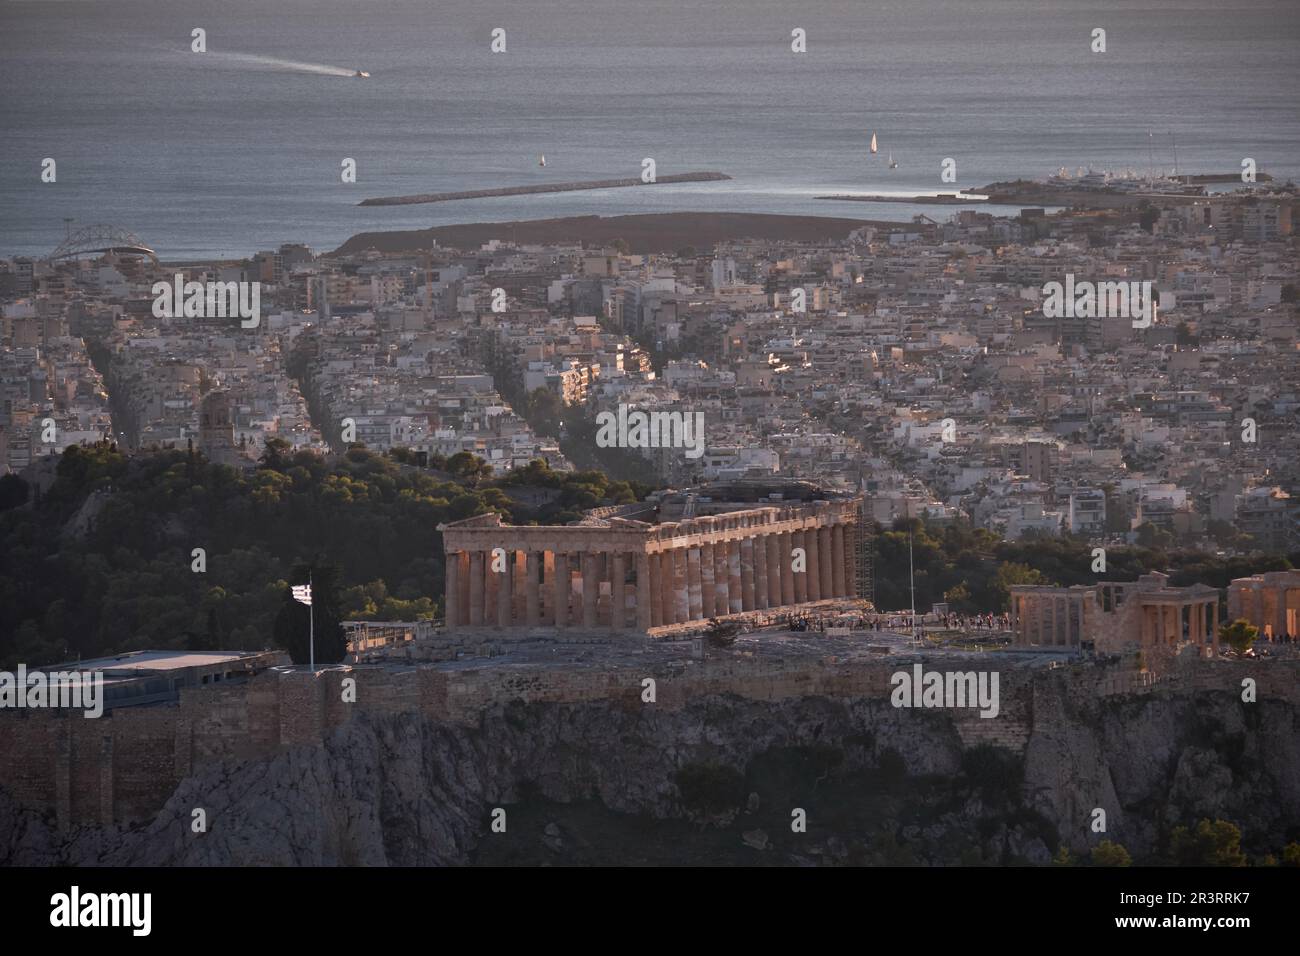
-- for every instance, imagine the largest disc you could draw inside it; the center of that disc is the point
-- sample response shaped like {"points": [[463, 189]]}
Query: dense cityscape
{"points": [[921, 369]]}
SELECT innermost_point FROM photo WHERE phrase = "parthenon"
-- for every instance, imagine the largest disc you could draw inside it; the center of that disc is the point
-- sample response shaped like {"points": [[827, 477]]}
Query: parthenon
{"points": [[614, 572]]}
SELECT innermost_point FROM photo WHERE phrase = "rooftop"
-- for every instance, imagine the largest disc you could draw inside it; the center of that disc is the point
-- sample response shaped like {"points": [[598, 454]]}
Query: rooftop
{"points": [[138, 663]]}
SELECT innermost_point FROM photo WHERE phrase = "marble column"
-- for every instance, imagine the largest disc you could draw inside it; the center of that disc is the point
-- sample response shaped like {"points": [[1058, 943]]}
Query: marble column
{"points": [[840, 588], [827, 560], [562, 586], [681, 592], [656, 584], [547, 594], [451, 600], [735, 600], [708, 591], [747, 573], [814, 574], [667, 605], [490, 596], [644, 599], [519, 587], [721, 578], [774, 571], [618, 591], [851, 537], [760, 573], [604, 588], [476, 589], [590, 588], [532, 588], [694, 585], [462, 591], [504, 580], [798, 579]]}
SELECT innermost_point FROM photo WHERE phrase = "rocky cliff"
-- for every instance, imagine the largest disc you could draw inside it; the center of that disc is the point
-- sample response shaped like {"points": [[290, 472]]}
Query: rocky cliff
{"points": [[720, 780]]}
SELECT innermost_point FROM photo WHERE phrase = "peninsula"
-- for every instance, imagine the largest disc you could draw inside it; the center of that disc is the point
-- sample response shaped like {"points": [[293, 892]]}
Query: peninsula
{"points": [[643, 232]]}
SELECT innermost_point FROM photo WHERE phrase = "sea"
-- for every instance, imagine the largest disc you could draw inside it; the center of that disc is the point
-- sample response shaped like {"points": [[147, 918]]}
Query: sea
{"points": [[241, 147]]}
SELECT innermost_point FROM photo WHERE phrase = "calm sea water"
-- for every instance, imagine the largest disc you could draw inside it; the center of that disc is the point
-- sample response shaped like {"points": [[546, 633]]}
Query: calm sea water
{"points": [[233, 151]]}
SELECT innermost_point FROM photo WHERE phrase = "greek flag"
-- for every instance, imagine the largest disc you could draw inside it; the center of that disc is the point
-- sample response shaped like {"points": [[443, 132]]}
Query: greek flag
{"points": [[302, 594]]}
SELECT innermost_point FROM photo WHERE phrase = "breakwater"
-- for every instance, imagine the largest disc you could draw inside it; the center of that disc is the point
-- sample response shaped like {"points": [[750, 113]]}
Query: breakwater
{"points": [[942, 199], [541, 188]]}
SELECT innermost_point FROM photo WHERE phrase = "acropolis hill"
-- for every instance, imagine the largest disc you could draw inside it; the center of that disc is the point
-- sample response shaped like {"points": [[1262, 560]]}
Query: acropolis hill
{"points": [[588, 675], [581, 665], [289, 772]]}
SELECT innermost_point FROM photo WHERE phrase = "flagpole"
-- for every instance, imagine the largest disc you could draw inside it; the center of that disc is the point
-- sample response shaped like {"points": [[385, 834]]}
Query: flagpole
{"points": [[311, 616], [912, 578]]}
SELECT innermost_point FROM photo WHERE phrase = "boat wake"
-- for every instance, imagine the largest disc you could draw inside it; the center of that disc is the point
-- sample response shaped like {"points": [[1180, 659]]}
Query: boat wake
{"points": [[255, 61]]}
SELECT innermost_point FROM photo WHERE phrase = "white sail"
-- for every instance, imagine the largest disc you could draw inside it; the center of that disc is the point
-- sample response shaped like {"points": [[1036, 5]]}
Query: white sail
{"points": [[873, 142], [541, 160]]}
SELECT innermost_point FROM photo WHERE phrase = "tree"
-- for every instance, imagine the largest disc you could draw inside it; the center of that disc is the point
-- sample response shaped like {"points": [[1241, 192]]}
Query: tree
{"points": [[1291, 854], [1239, 635], [294, 622], [958, 598], [1108, 853], [1223, 532], [1150, 536], [620, 246], [126, 582], [1117, 514], [468, 467], [1063, 857], [13, 492], [30, 648], [1012, 573], [275, 454], [1210, 844], [544, 410]]}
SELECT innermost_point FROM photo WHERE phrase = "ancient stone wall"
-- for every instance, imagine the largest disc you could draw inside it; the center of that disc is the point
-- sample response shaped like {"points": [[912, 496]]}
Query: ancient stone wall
{"points": [[123, 766]]}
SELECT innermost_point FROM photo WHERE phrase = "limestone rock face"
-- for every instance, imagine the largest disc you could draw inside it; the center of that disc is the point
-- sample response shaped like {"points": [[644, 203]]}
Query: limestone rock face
{"points": [[401, 789]]}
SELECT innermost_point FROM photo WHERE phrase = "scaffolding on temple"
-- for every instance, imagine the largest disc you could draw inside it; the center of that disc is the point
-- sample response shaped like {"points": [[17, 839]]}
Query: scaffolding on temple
{"points": [[864, 581]]}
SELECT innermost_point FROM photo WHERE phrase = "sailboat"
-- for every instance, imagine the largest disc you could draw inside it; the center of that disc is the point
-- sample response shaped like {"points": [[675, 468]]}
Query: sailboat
{"points": [[541, 160], [892, 164], [873, 144]]}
